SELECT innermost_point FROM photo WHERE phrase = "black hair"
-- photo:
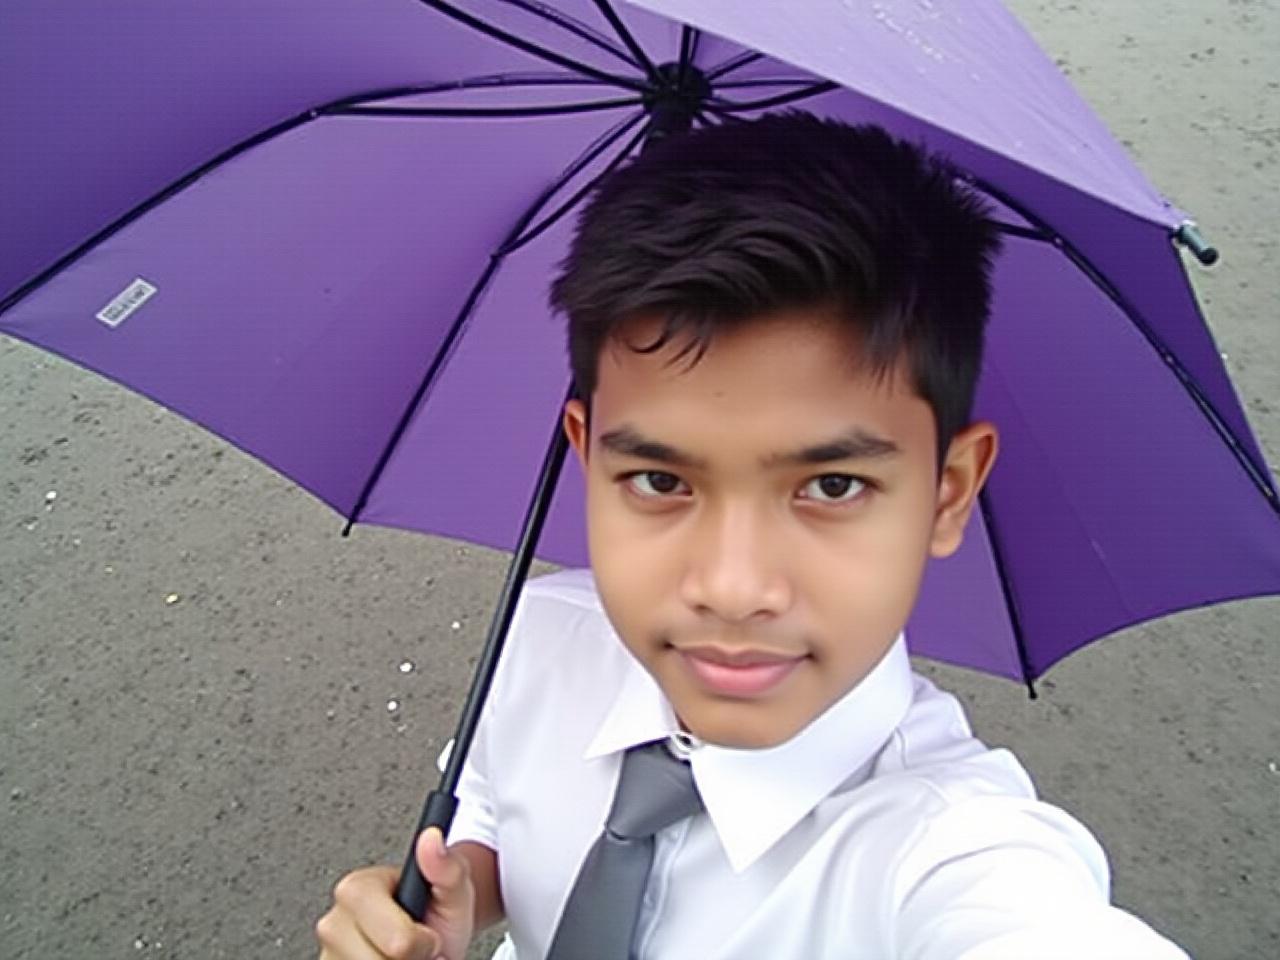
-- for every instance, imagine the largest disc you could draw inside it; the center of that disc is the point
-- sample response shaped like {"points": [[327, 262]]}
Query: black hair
{"points": [[712, 228]]}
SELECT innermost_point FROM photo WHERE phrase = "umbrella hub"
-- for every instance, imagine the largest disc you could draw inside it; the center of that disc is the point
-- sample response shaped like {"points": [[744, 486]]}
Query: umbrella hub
{"points": [[674, 99]]}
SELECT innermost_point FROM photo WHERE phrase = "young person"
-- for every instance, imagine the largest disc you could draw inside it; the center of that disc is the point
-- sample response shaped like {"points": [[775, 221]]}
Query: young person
{"points": [[776, 327]]}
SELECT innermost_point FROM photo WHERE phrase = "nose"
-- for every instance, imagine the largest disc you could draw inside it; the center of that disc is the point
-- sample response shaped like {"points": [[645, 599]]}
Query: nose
{"points": [[734, 569]]}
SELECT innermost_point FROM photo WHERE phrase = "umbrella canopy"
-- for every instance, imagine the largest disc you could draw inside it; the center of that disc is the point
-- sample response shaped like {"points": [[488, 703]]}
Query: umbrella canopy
{"points": [[324, 231]]}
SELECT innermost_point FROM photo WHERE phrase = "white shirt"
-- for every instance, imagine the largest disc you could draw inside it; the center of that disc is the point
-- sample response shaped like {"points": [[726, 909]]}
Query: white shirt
{"points": [[884, 829]]}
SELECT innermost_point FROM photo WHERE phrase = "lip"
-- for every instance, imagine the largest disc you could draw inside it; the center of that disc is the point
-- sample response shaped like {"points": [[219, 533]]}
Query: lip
{"points": [[739, 673]]}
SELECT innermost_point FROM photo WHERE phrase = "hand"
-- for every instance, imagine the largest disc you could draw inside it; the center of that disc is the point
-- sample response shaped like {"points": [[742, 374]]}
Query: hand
{"points": [[366, 923]]}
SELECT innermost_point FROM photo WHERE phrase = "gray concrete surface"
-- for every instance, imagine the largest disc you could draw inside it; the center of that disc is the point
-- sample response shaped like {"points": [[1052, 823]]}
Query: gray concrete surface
{"points": [[195, 668]]}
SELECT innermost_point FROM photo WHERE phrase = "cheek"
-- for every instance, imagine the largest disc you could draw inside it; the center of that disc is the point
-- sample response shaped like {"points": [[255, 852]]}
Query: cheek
{"points": [[626, 559], [871, 570]]}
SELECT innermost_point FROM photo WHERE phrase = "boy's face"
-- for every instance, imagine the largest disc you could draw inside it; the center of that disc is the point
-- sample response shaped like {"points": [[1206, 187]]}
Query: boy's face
{"points": [[759, 522]]}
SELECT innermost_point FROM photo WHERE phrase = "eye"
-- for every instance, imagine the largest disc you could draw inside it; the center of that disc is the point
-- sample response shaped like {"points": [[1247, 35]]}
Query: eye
{"points": [[833, 488], [655, 483]]}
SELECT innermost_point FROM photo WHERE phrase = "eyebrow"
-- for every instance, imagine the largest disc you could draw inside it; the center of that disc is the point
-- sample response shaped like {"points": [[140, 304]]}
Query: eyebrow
{"points": [[628, 442], [856, 444]]}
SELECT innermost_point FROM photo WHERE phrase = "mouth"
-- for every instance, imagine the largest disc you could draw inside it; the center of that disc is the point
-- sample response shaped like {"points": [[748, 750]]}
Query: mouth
{"points": [[738, 673]]}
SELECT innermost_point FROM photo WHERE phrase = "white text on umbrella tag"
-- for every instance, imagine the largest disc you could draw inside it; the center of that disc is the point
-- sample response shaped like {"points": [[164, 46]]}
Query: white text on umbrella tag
{"points": [[126, 303]]}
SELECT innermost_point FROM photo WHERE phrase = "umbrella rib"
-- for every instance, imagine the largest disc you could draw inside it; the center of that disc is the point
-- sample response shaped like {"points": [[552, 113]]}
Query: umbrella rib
{"points": [[230, 153], [551, 219], [155, 199], [491, 81], [1026, 233], [576, 27], [734, 63], [625, 36], [1006, 588], [689, 38], [491, 112], [731, 107], [766, 82], [1184, 377], [532, 48], [464, 314], [580, 163]]}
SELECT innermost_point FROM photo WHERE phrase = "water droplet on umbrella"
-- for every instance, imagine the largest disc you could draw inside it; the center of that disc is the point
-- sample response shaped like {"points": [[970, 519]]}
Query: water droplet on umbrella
{"points": [[406, 667]]}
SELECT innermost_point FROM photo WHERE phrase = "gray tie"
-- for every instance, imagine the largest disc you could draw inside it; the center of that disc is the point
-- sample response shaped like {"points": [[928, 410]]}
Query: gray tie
{"points": [[655, 790]]}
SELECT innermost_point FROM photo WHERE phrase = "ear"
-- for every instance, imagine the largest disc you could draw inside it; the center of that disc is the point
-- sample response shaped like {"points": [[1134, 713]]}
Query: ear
{"points": [[968, 463], [576, 430]]}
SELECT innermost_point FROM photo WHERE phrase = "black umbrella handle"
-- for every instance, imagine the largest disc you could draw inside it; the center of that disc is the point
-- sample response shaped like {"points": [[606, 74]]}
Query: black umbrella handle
{"points": [[413, 893]]}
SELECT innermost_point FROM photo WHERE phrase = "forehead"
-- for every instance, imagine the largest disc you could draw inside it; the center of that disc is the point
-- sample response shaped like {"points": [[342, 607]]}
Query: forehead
{"points": [[786, 372]]}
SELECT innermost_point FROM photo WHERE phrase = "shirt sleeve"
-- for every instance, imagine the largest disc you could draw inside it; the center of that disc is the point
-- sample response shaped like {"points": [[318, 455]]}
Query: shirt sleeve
{"points": [[475, 818], [1003, 878]]}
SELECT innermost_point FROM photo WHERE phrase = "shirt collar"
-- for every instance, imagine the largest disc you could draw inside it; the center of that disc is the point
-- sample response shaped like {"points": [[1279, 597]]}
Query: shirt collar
{"points": [[754, 797]]}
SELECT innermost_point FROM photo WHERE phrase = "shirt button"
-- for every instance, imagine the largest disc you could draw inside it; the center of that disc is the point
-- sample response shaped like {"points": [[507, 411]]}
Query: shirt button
{"points": [[683, 744]]}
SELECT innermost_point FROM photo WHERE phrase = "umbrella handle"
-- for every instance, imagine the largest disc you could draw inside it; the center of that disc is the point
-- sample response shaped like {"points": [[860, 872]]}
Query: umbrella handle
{"points": [[413, 893]]}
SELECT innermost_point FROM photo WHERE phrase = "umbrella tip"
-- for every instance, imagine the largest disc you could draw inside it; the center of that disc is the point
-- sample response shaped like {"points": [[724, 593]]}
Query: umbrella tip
{"points": [[1188, 234]]}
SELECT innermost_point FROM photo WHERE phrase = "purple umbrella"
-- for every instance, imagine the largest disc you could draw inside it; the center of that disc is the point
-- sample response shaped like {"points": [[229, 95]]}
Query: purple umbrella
{"points": [[324, 230]]}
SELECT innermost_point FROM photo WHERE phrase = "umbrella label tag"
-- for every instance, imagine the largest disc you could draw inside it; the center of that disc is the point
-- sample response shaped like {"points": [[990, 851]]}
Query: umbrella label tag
{"points": [[126, 303]]}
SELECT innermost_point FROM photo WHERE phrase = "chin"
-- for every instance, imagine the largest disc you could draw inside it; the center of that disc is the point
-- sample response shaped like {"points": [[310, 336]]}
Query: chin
{"points": [[728, 727]]}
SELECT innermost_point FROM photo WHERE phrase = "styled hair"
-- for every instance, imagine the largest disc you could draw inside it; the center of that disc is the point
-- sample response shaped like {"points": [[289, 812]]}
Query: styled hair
{"points": [[726, 223]]}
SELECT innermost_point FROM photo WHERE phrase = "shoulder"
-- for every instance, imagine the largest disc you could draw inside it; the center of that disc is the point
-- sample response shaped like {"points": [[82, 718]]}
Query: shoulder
{"points": [[933, 752], [560, 611], [973, 838], [560, 635], [951, 796], [563, 591]]}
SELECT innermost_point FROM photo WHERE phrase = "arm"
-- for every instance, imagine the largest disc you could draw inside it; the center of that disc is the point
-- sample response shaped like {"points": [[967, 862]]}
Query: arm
{"points": [[1000, 877]]}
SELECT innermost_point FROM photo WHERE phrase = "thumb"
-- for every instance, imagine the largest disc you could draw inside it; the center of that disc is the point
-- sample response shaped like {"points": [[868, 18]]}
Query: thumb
{"points": [[446, 871]]}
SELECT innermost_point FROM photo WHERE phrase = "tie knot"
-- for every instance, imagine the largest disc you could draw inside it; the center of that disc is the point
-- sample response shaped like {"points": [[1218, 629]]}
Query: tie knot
{"points": [[655, 790]]}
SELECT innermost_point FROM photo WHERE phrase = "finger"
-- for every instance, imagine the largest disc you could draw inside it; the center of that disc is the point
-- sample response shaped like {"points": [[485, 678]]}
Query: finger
{"points": [[447, 872], [365, 897], [342, 940], [345, 941]]}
